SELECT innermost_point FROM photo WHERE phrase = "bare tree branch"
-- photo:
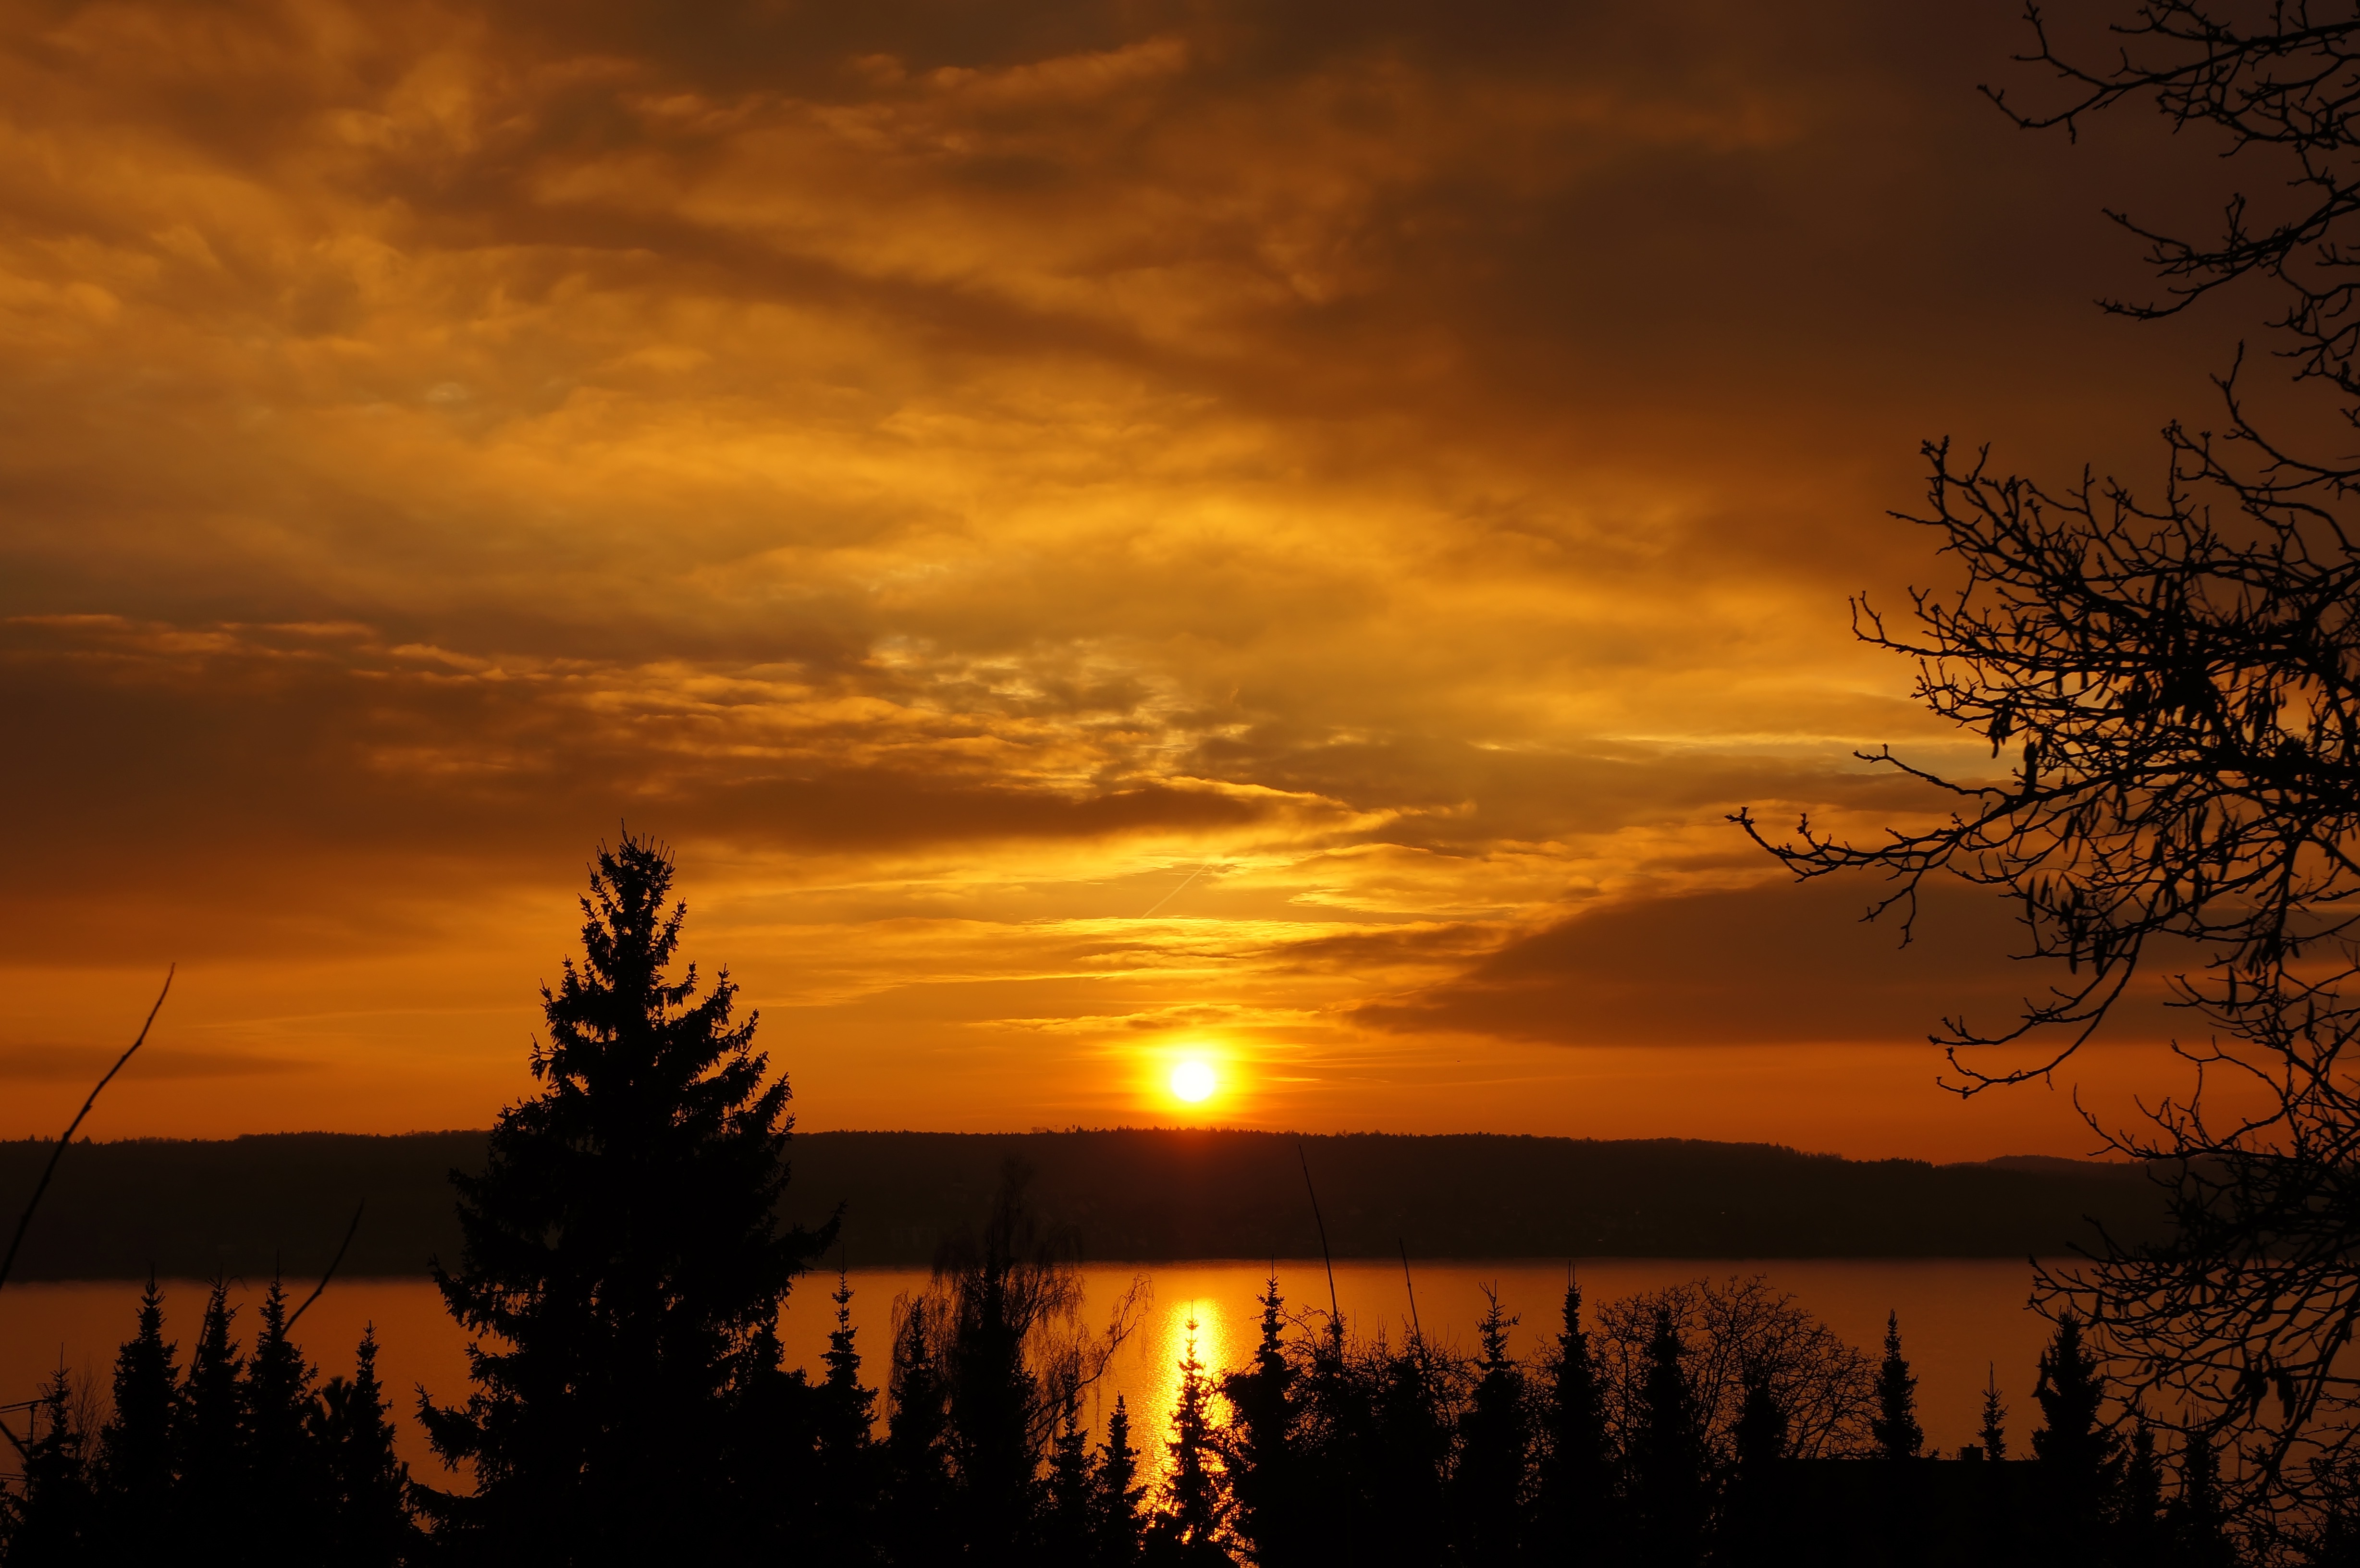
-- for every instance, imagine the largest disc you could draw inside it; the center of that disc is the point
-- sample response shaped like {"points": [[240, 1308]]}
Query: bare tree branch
{"points": [[26, 1219], [333, 1264]]}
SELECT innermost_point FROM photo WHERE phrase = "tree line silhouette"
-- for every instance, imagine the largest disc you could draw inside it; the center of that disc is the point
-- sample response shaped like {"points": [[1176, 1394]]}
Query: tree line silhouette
{"points": [[243, 1454], [623, 1273], [1713, 1422], [192, 1208]]}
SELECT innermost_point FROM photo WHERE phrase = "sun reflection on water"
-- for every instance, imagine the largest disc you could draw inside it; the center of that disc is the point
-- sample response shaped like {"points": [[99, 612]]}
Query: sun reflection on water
{"points": [[1165, 1339]]}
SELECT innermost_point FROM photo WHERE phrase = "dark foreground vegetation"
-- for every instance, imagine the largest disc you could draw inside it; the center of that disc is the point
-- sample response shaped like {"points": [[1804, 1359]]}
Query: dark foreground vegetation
{"points": [[2173, 680], [249, 1206], [1708, 1423], [621, 1267]]}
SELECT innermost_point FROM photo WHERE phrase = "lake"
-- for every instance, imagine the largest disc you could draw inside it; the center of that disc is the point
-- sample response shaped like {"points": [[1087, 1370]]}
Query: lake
{"points": [[1959, 1317]]}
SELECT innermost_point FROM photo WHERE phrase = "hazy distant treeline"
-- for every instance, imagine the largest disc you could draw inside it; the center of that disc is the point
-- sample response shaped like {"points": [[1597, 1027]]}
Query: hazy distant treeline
{"points": [[250, 1205]]}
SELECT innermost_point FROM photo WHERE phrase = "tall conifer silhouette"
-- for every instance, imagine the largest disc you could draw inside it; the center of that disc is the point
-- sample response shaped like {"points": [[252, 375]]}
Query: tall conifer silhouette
{"points": [[1895, 1428], [2140, 1535], [1494, 1445], [1189, 1525], [2079, 1461], [623, 1269], [2196, 1519], [918, 1528], [136, 1446], [1667, 1456], [846, 1485], [850, 1409], [287, 1478], [208, 1441], [1341, 1451], [1755, 1524], [1066, 1528], [1260, 1447], [1116, 1495], [996, 1437], [1994, 1430], [369, 1485], [1410, 1456], [55, 1511], [1574, 1503]]}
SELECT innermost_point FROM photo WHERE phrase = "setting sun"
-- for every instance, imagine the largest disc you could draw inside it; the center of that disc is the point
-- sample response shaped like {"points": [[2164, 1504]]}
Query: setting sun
{"points": [[1193, 1080]]}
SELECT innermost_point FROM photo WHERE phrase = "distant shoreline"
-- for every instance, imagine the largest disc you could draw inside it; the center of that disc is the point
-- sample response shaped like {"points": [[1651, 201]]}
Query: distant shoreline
{"points": [[248, 1205]]}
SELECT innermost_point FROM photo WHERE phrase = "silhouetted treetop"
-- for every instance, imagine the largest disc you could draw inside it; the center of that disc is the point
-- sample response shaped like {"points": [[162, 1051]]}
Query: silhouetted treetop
{"points": [[623, 1268], [1895, 1425]]}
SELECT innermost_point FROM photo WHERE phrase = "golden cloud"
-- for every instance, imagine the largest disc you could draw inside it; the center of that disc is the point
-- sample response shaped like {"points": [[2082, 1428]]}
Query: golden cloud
{"points": [[1082, 523]]}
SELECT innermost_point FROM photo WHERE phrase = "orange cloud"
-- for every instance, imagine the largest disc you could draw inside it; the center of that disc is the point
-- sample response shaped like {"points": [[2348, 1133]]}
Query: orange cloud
{"points": [[1085, 524]]}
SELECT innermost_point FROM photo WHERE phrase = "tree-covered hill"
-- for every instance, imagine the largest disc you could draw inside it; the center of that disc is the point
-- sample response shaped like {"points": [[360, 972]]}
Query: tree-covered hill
{"points": [[246, 1205]]}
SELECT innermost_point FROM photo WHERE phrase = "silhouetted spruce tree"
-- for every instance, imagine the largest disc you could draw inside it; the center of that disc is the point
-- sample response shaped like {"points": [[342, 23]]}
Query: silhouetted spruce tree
{"points": [[2194, 1518], [1994, 1430], [845, 1412], [1494, 1450], [1188, 1524], [1900, 1503], [1407, 1502], [1666, 1458], [287, 1478], [1755, 1528], [1574, 1504], [2139, 1530], [1065, 1525], [208, 1438], [623, 1269], [1002, 1284], [135, 1447], [849, 1409], [1895, 1426], [774, 1434], [1116, 1526], [1340, 1449], [1259, 1449], [2002, 1523], [2079, 1460], [370, 1524], [918, 1527], [55, 1513]]}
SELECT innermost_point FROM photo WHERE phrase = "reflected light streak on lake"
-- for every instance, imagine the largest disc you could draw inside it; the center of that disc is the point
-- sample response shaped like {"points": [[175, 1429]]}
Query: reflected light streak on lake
{"points": [[1148, 1375], [1957, 1317]]}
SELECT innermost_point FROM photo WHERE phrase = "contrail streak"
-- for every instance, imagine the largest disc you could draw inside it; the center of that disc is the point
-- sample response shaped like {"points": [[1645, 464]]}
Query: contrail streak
{"points": [[1176, 891]]}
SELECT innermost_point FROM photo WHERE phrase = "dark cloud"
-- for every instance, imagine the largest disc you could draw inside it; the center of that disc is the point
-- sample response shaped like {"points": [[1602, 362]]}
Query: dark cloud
{"points": [[1777, 964], [954, 469]]}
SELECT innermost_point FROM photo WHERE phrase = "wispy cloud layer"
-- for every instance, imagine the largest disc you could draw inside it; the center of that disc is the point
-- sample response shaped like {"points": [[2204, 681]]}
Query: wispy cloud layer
{"points": [[1092, 527]]}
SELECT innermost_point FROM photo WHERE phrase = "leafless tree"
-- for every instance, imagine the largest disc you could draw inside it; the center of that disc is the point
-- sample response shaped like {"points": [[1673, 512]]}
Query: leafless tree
{"points": [[2175, 679], [1003, 1318], [1733, 1327]]}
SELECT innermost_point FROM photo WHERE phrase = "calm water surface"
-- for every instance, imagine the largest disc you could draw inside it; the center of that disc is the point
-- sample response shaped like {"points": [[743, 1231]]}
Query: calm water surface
{"points": [[1958, 1317]]}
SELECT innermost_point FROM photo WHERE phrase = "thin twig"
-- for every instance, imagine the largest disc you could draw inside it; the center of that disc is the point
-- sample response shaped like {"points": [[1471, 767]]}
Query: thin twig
{"points": [[1335, 1312], [333, 1264], [26, 1219]]}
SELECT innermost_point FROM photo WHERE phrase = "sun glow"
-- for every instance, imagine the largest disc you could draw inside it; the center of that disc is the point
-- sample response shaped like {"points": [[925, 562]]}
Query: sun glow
{"points": [[1194, 1081]]}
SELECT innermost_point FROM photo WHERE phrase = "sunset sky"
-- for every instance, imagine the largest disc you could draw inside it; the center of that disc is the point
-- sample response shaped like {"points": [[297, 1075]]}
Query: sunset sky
{"points": [[1102, 533]]}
